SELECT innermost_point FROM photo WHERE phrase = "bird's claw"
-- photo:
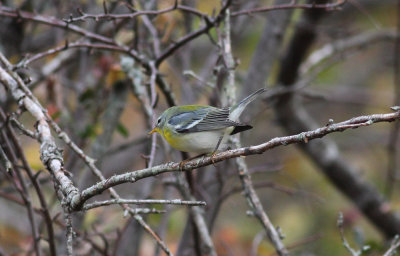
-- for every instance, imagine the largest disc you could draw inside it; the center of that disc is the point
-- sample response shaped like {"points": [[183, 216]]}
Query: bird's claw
{"points": [[181, 164], [212, 158]]}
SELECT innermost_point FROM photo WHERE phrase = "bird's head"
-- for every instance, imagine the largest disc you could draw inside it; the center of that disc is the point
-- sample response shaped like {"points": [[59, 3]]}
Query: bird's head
{"points": [[160, 122]]}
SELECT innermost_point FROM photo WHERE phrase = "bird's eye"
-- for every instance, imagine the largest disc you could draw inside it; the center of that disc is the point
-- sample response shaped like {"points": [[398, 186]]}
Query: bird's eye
{"points": [[159, 120]]}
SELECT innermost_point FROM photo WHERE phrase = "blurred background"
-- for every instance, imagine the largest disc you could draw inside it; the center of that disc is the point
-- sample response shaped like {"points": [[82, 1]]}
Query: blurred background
{"points": [[319, 64]]}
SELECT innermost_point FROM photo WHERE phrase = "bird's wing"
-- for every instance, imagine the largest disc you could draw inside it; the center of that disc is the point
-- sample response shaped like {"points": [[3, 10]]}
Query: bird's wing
{"points": [[202, 119]]}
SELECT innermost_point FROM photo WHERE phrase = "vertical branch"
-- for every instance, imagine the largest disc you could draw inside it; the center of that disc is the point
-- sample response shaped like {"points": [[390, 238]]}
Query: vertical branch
{"points": [[154, 34], [70, 233], [393, 162], [162, 227], [229, 89], [153, 98], [244, 175], [198, 218]]}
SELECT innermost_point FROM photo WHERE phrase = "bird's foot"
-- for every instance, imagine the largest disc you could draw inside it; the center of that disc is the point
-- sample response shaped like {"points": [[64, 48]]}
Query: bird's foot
{"points": [[183, 162], [212, 158]]}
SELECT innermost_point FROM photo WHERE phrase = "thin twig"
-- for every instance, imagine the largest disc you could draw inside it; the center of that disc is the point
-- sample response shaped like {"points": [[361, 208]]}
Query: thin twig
{"points": [[394, 246], [77, 44], [4, 160], [22, 128], [360, 7], [137, 13], [142, 201], [344, 240], [328, 7], [192, 74]]}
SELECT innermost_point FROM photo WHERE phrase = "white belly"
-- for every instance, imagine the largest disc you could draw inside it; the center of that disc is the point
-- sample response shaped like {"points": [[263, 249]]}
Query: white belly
{"points": [[200, 142]]}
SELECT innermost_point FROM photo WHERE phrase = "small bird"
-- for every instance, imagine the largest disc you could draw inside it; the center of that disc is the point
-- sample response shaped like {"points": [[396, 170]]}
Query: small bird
{"points": [[202, 129]]}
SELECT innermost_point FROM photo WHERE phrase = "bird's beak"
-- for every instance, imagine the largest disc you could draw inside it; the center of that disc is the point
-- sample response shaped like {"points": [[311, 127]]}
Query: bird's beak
{"points": [[153, 131]]}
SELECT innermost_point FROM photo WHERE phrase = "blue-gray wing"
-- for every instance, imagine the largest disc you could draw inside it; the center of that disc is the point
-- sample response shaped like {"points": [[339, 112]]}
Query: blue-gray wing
{"points": [[203, 119]]}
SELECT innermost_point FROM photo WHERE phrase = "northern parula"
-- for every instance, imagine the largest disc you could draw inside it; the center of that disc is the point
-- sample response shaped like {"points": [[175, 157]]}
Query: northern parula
{"points": [[202, 129]]}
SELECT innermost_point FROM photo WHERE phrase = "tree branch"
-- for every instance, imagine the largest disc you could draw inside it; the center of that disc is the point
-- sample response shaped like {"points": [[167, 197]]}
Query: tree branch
{"points": [[300, 138]]}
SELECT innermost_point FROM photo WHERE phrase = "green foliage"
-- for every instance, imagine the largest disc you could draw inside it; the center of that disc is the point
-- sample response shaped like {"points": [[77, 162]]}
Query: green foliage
{"points": [[121, 129]]}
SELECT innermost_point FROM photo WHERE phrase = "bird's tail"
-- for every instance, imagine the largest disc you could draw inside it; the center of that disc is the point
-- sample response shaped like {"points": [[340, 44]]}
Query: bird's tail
{"points": [[238, 108]]}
